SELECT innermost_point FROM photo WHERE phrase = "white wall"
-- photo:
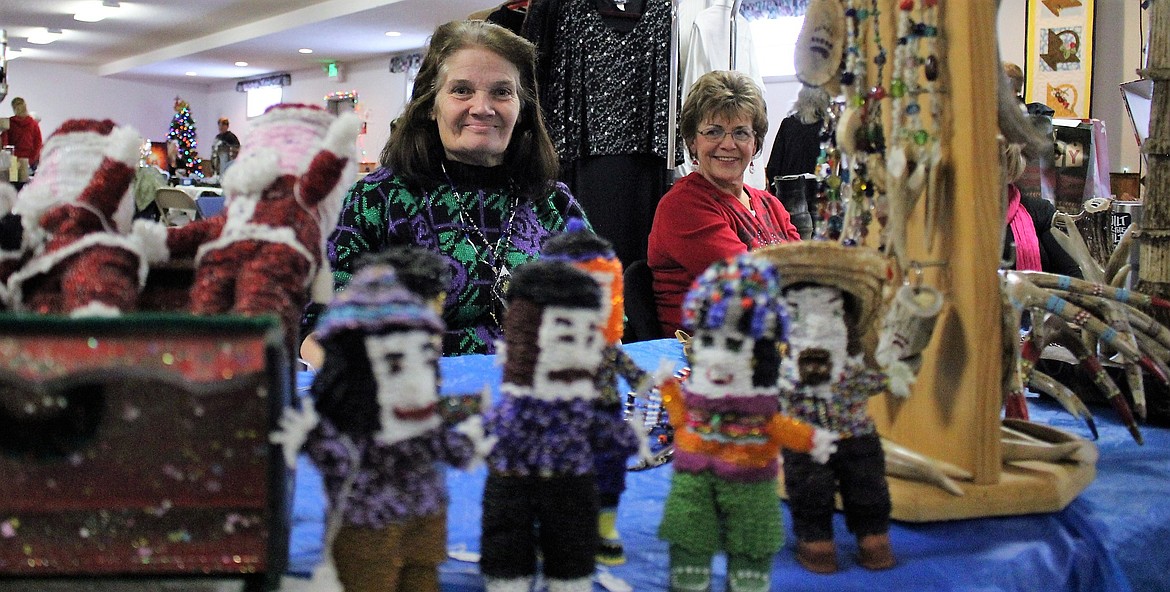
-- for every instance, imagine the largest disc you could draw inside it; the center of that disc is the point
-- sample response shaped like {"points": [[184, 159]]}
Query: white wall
{"points": [[56, 93]]}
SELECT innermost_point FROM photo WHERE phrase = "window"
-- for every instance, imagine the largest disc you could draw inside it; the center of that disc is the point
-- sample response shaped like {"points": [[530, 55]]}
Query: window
{"points": [[262, 98], [775, 42]]}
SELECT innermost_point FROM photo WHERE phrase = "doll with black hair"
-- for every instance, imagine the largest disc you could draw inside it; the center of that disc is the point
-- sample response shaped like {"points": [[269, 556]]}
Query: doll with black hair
{"points": [[833, 293], [377, 437], [729, 431], [583, 249], [541, 491]]}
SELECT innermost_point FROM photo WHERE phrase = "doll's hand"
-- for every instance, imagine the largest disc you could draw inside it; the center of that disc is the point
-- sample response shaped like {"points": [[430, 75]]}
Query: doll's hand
{"points": [[638, 422], [900, 376], [295, 426], [152, 239], [660, 375], [481, 442], [824, 445]]}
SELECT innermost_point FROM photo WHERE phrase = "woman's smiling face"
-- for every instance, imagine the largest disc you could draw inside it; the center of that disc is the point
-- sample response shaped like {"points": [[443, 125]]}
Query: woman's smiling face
{"points": [[477, 105], [723, 161]]}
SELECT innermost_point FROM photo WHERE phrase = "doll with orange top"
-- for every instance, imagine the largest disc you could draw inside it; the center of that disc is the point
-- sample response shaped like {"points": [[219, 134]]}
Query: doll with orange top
{"points": [[728, 430]]}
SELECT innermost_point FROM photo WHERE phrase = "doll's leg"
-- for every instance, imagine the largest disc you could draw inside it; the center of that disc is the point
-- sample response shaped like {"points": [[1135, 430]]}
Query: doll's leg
{"points": [[213, 290], [865, 497], [690, 523], [751, 513], [507, 543], [567, 514], [611, 482], [101, 279], [810, 487], [424, 549], [367, 559]]}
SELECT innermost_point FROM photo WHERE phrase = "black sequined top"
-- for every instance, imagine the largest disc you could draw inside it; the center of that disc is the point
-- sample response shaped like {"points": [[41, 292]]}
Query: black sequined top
{"points": [[606, 91]]}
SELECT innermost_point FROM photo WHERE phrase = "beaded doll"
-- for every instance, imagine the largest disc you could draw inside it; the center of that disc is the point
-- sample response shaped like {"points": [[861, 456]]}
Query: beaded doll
{"points": [[594, 255], [87, 259], [833, 294], [728, 430], [378, 439], [541, 492]]}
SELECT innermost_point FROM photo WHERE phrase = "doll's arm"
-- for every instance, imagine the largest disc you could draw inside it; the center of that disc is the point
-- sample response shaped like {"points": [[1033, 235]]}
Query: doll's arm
{"points": [[800, 436], [183, 241], [295, 426], [327, 166], [671, 390], [481, 441]]}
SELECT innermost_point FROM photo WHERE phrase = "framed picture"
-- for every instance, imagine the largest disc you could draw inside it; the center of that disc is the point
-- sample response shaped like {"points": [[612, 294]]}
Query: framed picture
{"points": [[1059, 64]]}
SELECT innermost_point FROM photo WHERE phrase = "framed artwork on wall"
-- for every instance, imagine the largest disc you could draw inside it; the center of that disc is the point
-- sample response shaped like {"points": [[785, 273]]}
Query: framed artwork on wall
{"points": [[1059, 65]]}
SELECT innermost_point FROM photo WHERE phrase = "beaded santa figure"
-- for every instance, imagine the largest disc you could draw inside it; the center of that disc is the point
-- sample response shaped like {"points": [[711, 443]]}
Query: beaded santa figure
{"points": [[541, 491], [377, 437], [284, 192], [87, 259], [728, 430]]}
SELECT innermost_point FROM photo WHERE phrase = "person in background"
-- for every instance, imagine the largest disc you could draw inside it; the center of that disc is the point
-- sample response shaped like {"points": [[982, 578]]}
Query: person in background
{"points": [[710, 215], [225, 147], [469, 173], [1029, 243], [1015, 76], [795, 151], [23, 133]]}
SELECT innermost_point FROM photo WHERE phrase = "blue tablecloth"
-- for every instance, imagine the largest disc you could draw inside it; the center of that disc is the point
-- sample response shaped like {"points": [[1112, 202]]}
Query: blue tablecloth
{"points": [[1113, 537]]}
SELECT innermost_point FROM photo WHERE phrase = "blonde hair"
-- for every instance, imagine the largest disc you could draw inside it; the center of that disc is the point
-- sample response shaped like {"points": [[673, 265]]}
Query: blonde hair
{"points": [[1012, 160]]}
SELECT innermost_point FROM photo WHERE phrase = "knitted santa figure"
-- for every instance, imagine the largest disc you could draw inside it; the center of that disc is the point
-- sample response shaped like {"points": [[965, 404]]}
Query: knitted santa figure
{"points": [[284, 194], [77, 214], [12, 243], [728, 430]]}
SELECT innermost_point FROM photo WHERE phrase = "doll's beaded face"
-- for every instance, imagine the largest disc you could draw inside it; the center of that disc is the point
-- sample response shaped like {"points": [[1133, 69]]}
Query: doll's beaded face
{"points": [[818, 335], [570, 353], [405, 366], [721, 363]]}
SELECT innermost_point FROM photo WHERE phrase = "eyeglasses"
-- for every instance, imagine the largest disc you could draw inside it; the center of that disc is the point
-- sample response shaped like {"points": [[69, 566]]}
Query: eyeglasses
{"points": [[741, 135]]}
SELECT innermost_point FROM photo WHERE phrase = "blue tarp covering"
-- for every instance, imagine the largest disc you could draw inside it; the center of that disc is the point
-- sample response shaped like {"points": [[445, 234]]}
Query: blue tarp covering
{"points": [[1111, 538]]}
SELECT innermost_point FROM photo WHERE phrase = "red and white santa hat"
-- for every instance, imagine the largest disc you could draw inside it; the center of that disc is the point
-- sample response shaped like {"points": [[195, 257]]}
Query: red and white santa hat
{"points": [[84, 161]]}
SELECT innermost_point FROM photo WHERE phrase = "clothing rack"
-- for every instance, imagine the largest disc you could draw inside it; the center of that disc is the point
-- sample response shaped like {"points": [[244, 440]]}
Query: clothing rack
{"points": [[672, 107], [734, 13]]}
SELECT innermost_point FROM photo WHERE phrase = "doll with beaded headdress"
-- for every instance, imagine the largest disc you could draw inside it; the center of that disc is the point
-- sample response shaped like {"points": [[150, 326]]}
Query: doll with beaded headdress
{"points": [[283, 196], [376, 434], [728, 430], [833, 293], [583, 249], [541, 492], [86, 255]]}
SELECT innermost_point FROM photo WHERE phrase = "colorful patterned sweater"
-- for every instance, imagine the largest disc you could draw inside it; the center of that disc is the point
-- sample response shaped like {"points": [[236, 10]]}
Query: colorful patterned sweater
{"points": [[738, 438], [552, 438], [846, 414], [395, 482], [380, 211]]}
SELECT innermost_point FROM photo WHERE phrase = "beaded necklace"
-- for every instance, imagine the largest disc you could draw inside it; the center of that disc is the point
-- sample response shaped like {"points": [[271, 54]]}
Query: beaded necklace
{"points": [[492, 254]]}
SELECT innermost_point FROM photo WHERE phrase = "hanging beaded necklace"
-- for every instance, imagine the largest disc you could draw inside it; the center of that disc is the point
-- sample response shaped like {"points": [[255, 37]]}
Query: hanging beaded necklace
{"points": [[494, 255]]}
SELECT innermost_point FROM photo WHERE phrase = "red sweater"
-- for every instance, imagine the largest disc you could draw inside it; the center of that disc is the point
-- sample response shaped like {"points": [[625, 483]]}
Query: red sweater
{"points": [[25, 135], [696, 225]]}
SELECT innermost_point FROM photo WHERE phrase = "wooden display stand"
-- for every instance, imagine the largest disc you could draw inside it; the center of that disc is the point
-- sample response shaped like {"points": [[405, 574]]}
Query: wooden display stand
{"points": [[953, 413]]}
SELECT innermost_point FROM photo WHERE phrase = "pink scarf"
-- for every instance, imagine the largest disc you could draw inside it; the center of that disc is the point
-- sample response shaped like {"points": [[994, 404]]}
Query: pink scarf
{"points": [[1024, 230]]}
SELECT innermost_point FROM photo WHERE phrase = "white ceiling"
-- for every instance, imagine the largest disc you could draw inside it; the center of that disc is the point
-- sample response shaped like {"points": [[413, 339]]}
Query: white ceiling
{"points": [[162, 40]]}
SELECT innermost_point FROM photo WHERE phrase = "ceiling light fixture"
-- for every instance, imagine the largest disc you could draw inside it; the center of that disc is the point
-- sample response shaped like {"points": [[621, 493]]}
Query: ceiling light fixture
{"points": [[305, 50], [393, 34], [241, 64], [45, 37], [95, 12], [192, 74]]}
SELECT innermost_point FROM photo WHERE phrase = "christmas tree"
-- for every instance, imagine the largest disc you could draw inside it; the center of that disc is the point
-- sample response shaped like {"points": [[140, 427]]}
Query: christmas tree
{"points": [[182, 132]]}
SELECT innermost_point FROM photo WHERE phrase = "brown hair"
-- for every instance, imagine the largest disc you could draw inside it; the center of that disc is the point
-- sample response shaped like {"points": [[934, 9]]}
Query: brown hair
{"points": [[19, 107], [1015, 75], [414, 149], [728, 94]]}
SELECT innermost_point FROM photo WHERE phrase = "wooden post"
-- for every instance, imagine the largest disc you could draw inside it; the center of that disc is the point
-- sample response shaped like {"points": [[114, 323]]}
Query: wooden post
{"points": [[1154, 230]]}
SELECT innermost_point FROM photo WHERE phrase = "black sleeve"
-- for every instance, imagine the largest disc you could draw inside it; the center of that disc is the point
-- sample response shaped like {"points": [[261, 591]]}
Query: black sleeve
{"points": [[1053, 257], [772, 169]]}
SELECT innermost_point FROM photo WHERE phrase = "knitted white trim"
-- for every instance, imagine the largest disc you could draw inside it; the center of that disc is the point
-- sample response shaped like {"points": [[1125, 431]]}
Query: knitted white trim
{"points": [[260, 232], [576, 585], [45, 262], [748, 580], [95, 309], [124, 144], [507, 585]]}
